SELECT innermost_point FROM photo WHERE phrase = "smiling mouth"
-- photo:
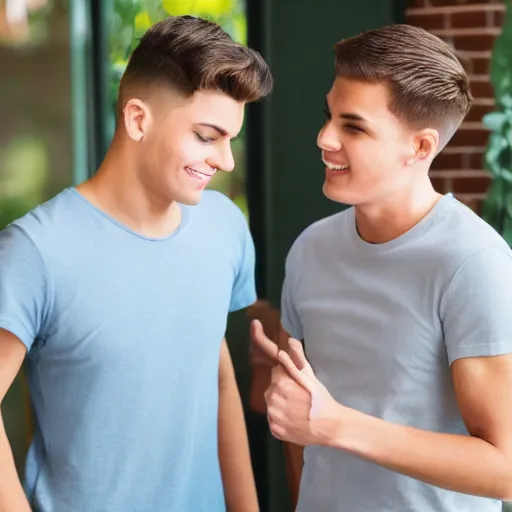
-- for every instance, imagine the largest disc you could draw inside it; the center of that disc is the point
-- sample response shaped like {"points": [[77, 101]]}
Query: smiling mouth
{"points": [[334, 167], [199, 175]]}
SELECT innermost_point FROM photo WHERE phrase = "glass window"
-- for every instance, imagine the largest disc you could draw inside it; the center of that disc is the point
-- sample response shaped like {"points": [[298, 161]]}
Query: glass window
{"points": [[35, 138]]}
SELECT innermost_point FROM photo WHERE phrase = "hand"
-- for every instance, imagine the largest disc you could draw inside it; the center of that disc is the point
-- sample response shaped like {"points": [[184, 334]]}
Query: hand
{"points": [[288, 408], [299, 407]]}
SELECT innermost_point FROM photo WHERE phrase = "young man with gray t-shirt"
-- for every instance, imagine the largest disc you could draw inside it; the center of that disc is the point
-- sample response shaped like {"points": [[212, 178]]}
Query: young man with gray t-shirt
{"points": [[404, 402]]}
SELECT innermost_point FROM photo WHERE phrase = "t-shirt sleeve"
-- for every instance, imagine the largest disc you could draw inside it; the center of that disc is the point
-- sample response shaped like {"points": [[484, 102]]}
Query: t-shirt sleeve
{"points": [[290, 319], [244, 287], [24, 286], [476, 306]]}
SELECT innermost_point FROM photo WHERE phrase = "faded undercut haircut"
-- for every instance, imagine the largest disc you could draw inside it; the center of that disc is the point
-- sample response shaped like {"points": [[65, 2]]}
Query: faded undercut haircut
{"points": [[427, 84], [188, 54]]}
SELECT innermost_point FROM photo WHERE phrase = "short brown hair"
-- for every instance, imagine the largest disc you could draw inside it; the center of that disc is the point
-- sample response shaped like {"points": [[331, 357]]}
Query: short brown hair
{"points": [[427, 84], [188, 54]]}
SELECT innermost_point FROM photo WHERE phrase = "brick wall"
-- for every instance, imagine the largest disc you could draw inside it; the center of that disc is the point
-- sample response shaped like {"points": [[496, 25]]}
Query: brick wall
{"points": [[470, 26]]}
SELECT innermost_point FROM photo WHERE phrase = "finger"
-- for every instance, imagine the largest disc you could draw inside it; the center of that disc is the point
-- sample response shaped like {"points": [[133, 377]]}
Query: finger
{"points": [[300, 377], [262, 341], [298, 356], [296, 353], [307, 379]]}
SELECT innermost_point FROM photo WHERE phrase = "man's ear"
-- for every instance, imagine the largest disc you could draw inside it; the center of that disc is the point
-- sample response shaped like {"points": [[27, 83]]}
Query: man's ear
{"points": [[136, 117], [424, 146]]}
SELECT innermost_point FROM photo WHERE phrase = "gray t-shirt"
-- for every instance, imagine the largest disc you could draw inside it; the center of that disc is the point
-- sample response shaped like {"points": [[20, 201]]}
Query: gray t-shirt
{"points": [[382, 324]]}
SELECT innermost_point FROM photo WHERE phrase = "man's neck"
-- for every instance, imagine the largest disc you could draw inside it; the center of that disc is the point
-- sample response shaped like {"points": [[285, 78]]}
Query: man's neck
{"points": [[116, 190], [391, 218]]}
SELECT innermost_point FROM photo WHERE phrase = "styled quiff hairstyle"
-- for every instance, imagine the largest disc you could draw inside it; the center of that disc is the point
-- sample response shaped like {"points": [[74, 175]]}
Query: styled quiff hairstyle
{"points": [[428, 87], [187, 54]]}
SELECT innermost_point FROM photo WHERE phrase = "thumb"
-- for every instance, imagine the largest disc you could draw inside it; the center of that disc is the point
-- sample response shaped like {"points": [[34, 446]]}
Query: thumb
{"points": [[300, 370], [304, 377]]}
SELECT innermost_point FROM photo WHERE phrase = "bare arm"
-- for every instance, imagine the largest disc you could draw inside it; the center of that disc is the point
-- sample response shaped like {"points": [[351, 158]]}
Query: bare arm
{"points": [[479, 464], [235, 460], [12, 496]]}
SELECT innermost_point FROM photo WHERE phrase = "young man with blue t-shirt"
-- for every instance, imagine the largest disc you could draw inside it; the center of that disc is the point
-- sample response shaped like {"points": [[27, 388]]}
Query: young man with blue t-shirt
{"points": [[403, 302], [117, 292]]}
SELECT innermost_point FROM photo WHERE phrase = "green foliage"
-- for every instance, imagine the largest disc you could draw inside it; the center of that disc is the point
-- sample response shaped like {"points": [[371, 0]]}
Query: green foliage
{"points": [[23, 175], [498, 156]]}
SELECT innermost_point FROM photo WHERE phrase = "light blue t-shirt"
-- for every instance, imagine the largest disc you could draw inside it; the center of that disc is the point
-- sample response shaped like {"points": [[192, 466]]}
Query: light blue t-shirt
{"points": [[123, 335], [382, 324]]}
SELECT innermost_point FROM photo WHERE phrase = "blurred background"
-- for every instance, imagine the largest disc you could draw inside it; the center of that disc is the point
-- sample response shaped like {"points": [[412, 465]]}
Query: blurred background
{"points": [[60, 65]]}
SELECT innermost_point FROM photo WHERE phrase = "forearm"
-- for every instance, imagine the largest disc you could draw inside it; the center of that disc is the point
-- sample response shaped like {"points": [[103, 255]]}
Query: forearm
{"points": [[460, 463], [235, 459], [12, 496]]}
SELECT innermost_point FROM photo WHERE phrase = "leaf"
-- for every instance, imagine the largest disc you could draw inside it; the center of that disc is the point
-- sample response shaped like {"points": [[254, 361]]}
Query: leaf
{"points": [[493, 152], [142, 22], [501, 60], [239, 33], [508, 136], [506, 175], [494, 120], [508, 204], [492, 204], [153, 8], [505, 100]]}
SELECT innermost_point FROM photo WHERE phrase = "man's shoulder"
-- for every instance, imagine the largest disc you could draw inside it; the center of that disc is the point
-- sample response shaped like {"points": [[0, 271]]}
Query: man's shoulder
{"points": [[327, 230], [462, 233], [42, 224]]}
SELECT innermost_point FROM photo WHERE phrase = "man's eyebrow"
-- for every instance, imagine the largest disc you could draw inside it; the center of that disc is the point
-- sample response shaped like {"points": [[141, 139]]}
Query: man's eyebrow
{"points": [[350, 116], [218, 129], [353, 117]]}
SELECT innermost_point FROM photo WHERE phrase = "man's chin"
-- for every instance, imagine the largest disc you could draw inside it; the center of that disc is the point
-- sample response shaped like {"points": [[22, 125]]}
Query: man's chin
{"points": [[336, 195], [191, 199]]}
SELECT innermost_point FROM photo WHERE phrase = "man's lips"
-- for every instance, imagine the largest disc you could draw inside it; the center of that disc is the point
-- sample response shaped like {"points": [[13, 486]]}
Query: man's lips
{"points": [[200, 174], [335, 167]]}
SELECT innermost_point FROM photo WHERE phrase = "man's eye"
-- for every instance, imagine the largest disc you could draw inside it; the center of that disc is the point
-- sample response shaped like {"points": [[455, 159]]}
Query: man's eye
{"points": [[354, 128], [204, 139]]}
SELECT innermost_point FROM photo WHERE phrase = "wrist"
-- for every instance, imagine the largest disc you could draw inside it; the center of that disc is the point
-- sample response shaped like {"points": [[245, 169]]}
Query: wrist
{"points": [[329, 429], [347, 424]]}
